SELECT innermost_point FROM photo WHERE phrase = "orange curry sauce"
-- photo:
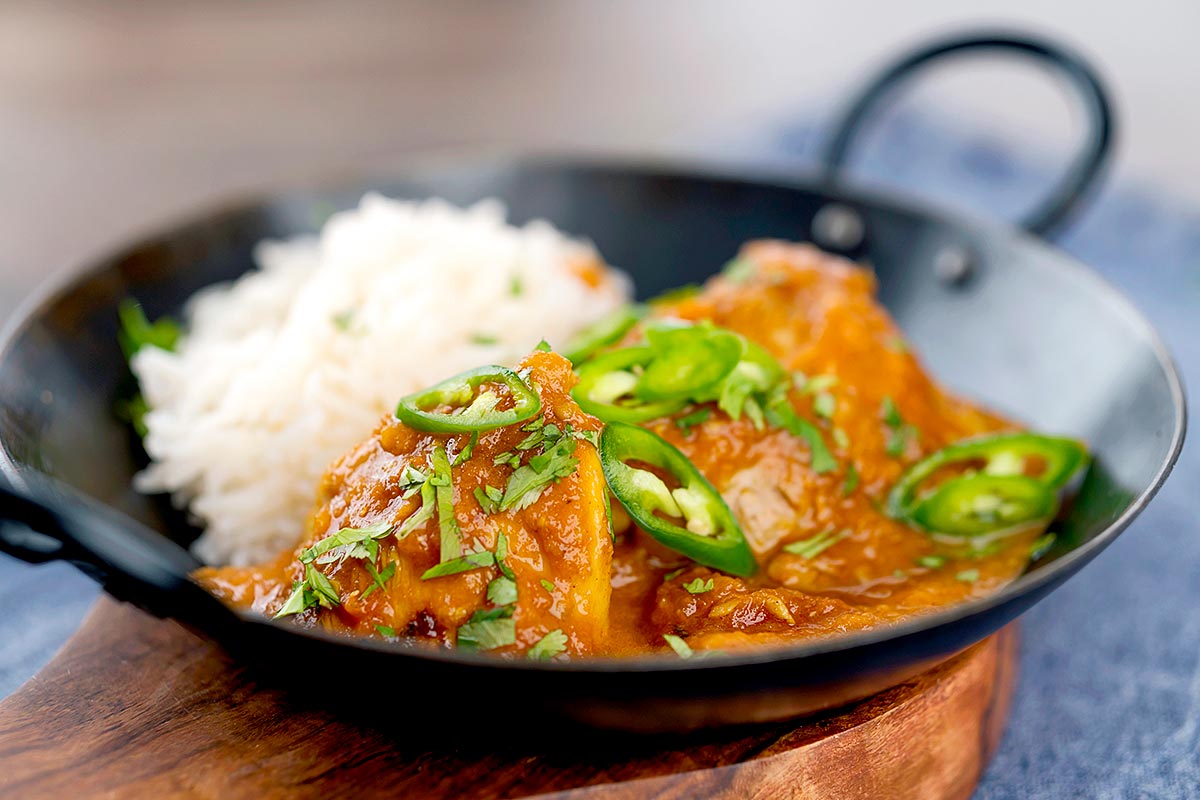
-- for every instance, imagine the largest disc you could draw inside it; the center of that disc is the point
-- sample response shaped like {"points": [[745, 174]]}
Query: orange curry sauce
{"points": [[817, 315]]}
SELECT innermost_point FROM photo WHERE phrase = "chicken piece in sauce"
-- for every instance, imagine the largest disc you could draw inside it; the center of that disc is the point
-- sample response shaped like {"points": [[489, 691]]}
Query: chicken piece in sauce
{"points": [[556, 556]]}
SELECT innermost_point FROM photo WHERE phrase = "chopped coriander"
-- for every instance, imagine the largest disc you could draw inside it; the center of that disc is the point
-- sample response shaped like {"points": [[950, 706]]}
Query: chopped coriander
{"points": [[378, 579], [824, 405], [781, 414], [487, 630], [901, 432], [550, 645], [527, 482], [699, 586], [689, 421], [502, 554], [507, 457], [343, 320], [484, 498], [386, 630], [899, 573], [347, 543], [739, 270], [451, 536], [134, 411], [465, 453], [483, 339], [897, 344], [515, 286], [1041, 546], [968, 576], [814, 546], [931, 562], [502, 591], [543, 345], [423, 512], [462, 564], [852, 479], [675, 573], [137, 331], [314, 590], [677, 644], [548, 586], [840, 438], [819, 384]]}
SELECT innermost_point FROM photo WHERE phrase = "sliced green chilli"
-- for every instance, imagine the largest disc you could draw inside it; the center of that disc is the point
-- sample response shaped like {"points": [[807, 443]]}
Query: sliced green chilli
{"points": [[981, 503], [1006, 471], [605, 331], [687, 361], [692, 519], [607, 388], [456, 405]]}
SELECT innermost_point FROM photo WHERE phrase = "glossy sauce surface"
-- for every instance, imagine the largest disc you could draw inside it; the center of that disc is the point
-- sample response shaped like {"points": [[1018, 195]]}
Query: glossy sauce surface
{"points": [[817, 315]]}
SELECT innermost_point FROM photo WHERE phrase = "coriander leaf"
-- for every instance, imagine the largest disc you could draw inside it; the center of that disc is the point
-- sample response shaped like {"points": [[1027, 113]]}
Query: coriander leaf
{"points": [[781, 414], [840, 438], [386, 630], [699, 586], [515, 286], [968, 576], [852, 479], [548, 586], [321, 587], [502, 591], [137, 331], [543, 345], [527, 482], [298, 600], [550, 645], [814, 546], [134, 411], [378, 579], [677, 644], [689, 421], [346, 544], [423, 512], [488, 505], [502, 554], [901, 432], [1041, 546], [931, 562], [343, 320], [483, 339], [462, 564], [465, 453], [488, 630], [451, 537], [824, 405], [819, 384], [673, 574]]}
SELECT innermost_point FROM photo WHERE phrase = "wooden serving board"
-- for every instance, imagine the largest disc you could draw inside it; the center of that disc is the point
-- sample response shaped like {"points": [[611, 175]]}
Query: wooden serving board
{"points": [[135, 706]]}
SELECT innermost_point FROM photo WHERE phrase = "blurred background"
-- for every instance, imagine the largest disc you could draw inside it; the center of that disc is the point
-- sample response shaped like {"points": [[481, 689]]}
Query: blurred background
{"points": [[118, 117]]}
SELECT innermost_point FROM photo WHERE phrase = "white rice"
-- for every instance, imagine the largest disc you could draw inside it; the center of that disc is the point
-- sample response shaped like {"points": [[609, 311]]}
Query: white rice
{"points": [[288, 367]]}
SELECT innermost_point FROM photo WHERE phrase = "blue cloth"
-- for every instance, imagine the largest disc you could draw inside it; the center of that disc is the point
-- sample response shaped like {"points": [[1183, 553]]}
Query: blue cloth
{"points": [[1108, 704]]}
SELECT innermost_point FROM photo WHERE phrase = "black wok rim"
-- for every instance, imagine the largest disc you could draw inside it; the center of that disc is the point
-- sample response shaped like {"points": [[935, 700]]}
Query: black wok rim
{"points": [[59, 287]]}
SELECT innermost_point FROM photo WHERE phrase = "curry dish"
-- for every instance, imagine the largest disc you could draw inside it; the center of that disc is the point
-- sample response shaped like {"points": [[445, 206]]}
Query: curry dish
{"points": [[758, 461]]}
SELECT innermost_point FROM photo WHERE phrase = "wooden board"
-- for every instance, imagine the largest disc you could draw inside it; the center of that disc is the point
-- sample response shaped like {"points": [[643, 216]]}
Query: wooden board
{"points": [[139, 707]]}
